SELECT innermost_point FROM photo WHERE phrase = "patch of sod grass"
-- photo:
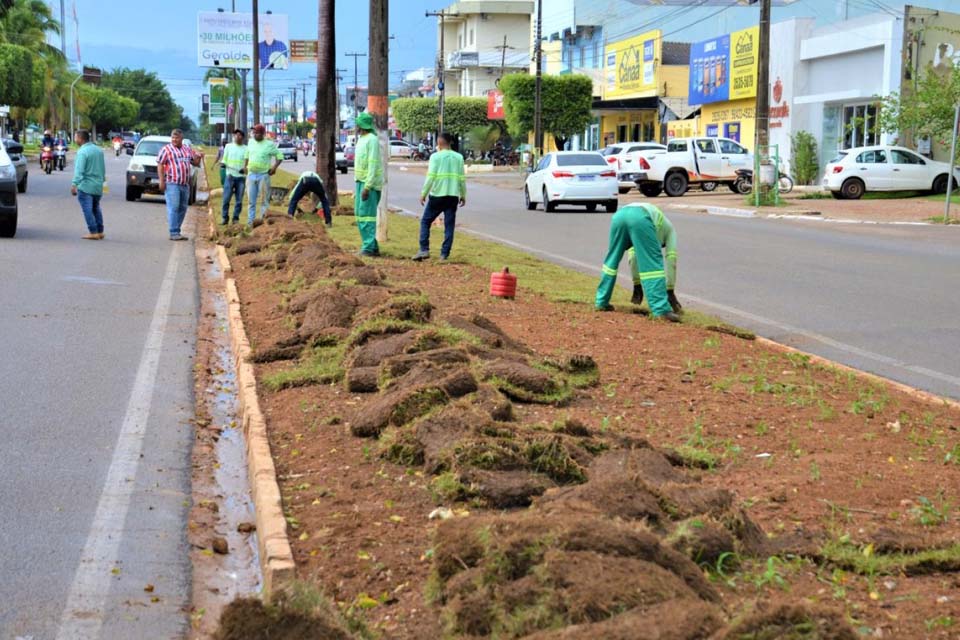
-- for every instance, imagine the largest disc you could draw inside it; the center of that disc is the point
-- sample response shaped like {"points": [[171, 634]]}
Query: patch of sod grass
{"points": [[321, 365], [865, 561]]}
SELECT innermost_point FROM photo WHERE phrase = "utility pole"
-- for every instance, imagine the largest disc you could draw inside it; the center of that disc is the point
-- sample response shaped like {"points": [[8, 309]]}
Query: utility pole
{"points": [[328, 131], [503, 57], [303, 87], [537, 115], [256, 62], [63, 31], [355, 88], [440, 63], [378, 104], [764, 173], [293, 109]]}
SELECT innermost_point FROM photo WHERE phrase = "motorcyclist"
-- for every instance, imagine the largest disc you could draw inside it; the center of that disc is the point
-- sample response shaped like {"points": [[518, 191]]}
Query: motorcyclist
{"points": [[47, 140], [117, 144]]}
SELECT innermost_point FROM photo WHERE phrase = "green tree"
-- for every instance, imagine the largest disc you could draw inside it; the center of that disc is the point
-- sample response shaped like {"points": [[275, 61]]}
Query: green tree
{"points": [[300, 129], [109, 110], [565, 100], [806, 165], [462, 114], [158, 112], [420, 115], [17, 77], [925, 112]]}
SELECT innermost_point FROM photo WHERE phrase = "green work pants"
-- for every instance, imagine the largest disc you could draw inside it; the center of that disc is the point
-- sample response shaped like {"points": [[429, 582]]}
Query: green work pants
{"points": [[632, 227], [365, 214]]}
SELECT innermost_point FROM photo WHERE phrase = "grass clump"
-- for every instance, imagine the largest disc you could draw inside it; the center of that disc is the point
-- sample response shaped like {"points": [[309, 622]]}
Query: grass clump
{"points": [[447, 487], [321, 365], [401, 447], [378, 327], [863, 560]]}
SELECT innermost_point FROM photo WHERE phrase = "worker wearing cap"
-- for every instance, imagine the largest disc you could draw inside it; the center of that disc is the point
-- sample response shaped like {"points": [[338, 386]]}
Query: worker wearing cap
{"points": [[232, 160], [635, 226], [667, 238], [368, 170], [263, 158]]}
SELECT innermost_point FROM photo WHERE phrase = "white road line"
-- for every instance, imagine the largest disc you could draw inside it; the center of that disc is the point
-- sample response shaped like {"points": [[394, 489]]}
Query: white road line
{"points": [[84, 613], [826, 341]]}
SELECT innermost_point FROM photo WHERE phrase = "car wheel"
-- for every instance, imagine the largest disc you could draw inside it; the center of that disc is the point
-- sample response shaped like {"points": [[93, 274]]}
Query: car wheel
{"points": [[708, 186], [547, 205], [8, 226], [675, 185], [133, 194], [939, 184], [611, 206], [651, 189], [852, 189], [623, 190], [22, 185], [836, 195], [530, 204], [591, 207]]}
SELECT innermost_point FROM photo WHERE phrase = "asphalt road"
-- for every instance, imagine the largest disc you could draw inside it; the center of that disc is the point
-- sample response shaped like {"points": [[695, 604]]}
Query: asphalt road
{"points": [[97, 344], [881, 298]]}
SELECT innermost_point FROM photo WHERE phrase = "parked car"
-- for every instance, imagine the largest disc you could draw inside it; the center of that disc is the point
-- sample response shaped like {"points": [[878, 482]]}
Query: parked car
{"points": [[401, 149], [350, 153], [8, 195], [289, 150], [19, 159], [625, 156], [572, 177], [142, 175], [688, 161], [883, 168], [341, 159]]}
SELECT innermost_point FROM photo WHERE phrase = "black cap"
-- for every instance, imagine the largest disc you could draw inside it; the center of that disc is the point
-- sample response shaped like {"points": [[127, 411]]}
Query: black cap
{"points": [[240, 131]]}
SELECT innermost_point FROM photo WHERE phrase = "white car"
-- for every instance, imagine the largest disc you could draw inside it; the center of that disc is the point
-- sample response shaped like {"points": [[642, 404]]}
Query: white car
{"points": [[142, 175], [572, 177], [883, 168], [401, 149], [625, 158]]}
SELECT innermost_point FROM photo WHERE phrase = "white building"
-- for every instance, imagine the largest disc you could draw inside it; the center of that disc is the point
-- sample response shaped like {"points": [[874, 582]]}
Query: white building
{"points": [[482, 41]]}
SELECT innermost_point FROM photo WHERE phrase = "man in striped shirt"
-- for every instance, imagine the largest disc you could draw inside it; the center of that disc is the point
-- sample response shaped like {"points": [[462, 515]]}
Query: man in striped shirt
{"points": [[444, 189], [174, 165]]}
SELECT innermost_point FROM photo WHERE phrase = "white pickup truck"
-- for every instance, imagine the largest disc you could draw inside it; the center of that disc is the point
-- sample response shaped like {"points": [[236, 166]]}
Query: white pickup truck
{"points": [[693, 161]]}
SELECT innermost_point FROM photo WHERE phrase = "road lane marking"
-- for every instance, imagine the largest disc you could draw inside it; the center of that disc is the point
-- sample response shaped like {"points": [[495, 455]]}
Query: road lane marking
{"points": [[84, 613], [816, 337]]}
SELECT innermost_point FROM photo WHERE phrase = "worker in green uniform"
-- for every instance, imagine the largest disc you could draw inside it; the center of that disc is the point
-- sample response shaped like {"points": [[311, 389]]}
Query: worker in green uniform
{"points": [[667, 238], [635, 226], [368, 172]]}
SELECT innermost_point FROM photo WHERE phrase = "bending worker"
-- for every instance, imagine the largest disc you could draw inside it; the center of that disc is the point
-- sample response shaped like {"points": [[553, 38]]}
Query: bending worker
{"points": [[639, 227], [310, 182], [667, 238]]}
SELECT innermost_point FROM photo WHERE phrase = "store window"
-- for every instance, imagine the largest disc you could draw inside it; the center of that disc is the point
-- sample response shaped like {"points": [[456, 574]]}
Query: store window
{"points": [[471, 36], [860, 127], [635, 133], [648, 134], [622, 133]]}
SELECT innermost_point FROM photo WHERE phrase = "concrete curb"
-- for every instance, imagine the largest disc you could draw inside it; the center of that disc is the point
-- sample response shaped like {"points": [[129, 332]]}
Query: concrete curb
{"points": [[276, 557], [913, 392]]}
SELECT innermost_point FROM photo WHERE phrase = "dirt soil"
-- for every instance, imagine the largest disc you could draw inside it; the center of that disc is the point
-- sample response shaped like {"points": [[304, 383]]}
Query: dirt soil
{"points": [[455, 464]]}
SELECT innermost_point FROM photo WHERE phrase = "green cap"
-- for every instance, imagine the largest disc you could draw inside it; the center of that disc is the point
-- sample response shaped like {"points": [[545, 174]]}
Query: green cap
{"points": [[365, 121]]}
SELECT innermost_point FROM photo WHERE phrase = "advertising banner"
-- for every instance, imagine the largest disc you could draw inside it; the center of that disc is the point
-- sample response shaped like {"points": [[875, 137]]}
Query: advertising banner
{"points": [[495, 105], [218, 100], [631, 66], [226, 40], [724, 68], [304, 51]]}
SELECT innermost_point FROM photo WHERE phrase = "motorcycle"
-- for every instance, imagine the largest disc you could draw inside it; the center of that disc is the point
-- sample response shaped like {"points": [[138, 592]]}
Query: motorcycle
{"points": [[60, 156], [116, 147], [744, 182], [46, 159]]}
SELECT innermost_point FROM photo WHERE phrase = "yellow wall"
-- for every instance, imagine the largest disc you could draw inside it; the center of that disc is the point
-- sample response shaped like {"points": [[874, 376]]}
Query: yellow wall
{"points": [[734, 111], [674, 81], [609, 126]]}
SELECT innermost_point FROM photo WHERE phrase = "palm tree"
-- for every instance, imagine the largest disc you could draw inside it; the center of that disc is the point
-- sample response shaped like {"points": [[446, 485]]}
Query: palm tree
{"points": [[328, 121]]}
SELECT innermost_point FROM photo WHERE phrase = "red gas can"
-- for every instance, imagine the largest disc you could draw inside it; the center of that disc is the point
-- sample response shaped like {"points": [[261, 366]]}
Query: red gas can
{"points": [[503, 284]]}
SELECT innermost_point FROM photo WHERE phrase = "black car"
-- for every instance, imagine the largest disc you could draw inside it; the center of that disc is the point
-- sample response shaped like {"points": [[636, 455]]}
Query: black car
{"points": [[8, 195], [15, 151]]}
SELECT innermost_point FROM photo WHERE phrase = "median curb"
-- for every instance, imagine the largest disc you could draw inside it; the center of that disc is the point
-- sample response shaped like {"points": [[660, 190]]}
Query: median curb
{"points": [[276, 556]]}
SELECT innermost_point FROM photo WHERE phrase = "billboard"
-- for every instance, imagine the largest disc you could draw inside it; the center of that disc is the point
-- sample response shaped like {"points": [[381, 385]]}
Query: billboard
{"points": [[218, 100], [226, 40], [630, 66], [724, 68], [304, 50], [495, 105]]}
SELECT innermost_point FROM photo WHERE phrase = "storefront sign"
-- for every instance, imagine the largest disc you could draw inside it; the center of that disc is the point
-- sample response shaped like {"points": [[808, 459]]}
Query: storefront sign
{"points": [[724, 68], [226, 40], [682, 129], [304, 50], [495, 105], [631, 66], [732, 130]]}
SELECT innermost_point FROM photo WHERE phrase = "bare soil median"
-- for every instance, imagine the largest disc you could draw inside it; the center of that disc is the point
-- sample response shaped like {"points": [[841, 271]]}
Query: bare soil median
{"points": [[456, 465]]}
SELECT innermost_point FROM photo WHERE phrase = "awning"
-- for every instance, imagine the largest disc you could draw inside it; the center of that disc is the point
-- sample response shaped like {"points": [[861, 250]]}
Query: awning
{"points": [[629, 104]]}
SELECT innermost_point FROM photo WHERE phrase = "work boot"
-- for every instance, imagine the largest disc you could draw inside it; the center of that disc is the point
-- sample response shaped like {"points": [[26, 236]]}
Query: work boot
{"points": [[421, 255], [670, 316], [637, 294], [674, 303], [606, 307]]}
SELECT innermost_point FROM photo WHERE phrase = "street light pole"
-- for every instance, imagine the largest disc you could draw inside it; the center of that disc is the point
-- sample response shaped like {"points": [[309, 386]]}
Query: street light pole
{"points": [[953, 155], [73, 122], [441, 63], [537, 108], [256, 62], [355, 88]]}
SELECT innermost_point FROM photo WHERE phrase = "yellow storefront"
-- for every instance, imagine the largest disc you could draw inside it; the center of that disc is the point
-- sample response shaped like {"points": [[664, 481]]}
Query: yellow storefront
{"points": [[734, 119]]}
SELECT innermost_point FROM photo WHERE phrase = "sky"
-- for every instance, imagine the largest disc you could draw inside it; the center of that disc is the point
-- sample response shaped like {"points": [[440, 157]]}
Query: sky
{"points": [[162, 37]]}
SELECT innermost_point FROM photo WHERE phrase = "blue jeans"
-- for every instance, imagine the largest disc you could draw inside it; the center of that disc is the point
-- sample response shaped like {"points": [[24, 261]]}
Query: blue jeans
{"points": [[257, 184], [177, 197], [232, 188], [447, 205], [90, 205]]}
